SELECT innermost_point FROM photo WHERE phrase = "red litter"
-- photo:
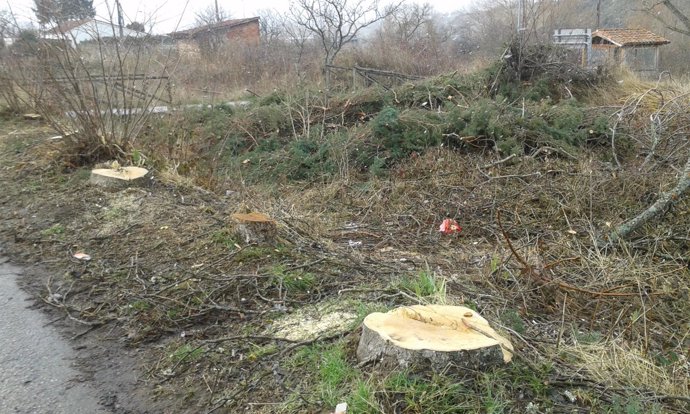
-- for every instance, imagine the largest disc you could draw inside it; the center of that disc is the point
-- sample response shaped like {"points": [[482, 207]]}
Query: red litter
{"points": [[450, 226]]}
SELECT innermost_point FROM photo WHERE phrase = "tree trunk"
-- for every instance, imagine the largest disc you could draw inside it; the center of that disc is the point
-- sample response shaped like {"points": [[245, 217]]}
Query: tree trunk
{"points": [[658, 208], [598, 15], [679, 15]]}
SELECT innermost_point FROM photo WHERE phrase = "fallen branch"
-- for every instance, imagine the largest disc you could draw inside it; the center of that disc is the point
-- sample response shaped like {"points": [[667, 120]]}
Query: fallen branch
{"points": [[662, 204]]}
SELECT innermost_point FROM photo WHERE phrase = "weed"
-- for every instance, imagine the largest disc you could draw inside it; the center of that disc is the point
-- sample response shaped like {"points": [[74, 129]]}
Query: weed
{"points": [[513, 320], [426, 286], [54, 230], [494, 399], [114, 213], [363, 399], [587, 337], [139, 305], [32, 187], [330, 368], [82, 174], [255, 254], [363, 309], [224, 238], [186, 352], [296, 281], [439, 394], [632, 405], [173, 313], [259, 352], [495, 263]]}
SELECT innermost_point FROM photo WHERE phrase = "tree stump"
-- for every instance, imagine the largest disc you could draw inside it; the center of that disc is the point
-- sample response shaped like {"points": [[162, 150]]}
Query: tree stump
{"points": [[434, 338], [120, 178], [255, 227]]}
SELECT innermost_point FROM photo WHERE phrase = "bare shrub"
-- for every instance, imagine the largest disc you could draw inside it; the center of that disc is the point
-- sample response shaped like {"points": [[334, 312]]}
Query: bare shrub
{"points": [[98, 95]]}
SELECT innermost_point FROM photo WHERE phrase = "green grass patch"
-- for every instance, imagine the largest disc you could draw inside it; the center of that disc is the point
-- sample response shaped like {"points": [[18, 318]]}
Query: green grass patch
{"points": [[293, 281], [255, 254], [139, 305], [511, 318], [224, 238], [439, 394], [425, 285], [186, 352], [259, 352], [54, 230], [329, 369]]}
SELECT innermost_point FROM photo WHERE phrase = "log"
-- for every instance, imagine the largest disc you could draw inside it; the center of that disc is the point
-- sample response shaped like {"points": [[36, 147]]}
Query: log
{"points": [[120, 178], [435, 338], [255, 227]]}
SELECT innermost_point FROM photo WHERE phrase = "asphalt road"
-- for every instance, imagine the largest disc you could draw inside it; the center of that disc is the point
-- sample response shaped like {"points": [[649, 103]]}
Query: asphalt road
{"points": [[36, 374]]}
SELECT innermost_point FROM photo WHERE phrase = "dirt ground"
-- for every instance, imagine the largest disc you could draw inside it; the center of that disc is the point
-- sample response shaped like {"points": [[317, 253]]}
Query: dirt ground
{"points": [[103, 357], [174, 313]]}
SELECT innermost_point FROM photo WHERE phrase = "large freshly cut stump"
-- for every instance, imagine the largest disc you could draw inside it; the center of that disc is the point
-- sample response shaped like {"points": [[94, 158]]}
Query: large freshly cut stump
{"points": [[432, 337], [120, 177], [255, 227]]}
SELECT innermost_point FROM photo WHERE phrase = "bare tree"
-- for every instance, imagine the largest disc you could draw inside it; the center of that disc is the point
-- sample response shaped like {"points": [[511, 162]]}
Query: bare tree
{"points": [[681, 15], [271, 25], [210, 15], [408, 21], [335, 23], [7, 26]]}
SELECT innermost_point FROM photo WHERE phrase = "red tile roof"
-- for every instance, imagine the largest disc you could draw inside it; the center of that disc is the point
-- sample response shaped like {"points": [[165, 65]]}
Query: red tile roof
{"points": [[226, 24], [630, 37]]}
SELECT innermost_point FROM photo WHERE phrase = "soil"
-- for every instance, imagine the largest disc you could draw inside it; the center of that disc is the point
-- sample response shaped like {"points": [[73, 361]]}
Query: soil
{"points": [[105, 357], [173, 313], [102, 360]]}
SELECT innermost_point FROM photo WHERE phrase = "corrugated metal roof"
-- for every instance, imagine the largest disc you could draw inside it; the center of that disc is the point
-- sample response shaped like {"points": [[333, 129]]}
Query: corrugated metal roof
{"points": [[67, 26], [629, 37]]}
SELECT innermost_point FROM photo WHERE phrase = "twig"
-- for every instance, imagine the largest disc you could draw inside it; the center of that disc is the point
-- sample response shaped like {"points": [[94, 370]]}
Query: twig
{"points": [[560, 331], [504, 160]]}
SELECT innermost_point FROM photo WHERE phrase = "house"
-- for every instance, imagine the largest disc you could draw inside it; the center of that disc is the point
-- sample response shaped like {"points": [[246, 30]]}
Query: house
{"points": [[637, 49], [78, 31], [245, 31]]}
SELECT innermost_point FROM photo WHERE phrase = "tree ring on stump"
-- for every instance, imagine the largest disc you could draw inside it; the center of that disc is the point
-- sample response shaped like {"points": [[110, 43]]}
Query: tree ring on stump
{"points": [[255, 227], [432, 338], [120, 178]]}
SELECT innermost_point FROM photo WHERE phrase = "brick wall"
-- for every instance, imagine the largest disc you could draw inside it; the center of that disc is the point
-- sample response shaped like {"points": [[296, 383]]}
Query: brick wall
{"points": [[246, 33]]}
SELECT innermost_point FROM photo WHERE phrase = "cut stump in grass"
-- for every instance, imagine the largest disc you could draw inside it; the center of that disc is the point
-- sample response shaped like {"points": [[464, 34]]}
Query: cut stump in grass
{"points": [[255, 227], [434, 338], [120, 178]]}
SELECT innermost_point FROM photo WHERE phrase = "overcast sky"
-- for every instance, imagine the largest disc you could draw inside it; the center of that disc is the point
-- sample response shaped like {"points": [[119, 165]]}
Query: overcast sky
{"points": [[167, 14]]}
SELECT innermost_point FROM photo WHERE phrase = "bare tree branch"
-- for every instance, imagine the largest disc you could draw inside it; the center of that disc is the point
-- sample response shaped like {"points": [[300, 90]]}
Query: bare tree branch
{"points": [[661, 205], [335, 23], [684, 18]]}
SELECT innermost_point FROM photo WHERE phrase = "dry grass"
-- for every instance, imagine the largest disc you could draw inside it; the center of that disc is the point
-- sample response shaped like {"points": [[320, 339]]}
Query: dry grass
{"points": [[549, 290], [620, 365]]}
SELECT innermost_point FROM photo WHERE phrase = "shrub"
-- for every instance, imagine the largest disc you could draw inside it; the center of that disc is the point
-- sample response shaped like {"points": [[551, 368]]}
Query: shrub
{"points": [[404, 133]]}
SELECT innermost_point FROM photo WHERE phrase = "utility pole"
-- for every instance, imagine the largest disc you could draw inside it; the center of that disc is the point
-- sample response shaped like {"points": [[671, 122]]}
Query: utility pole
{"points": [[598, 14], [217, 13], [519, 16], [120, 18]]}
